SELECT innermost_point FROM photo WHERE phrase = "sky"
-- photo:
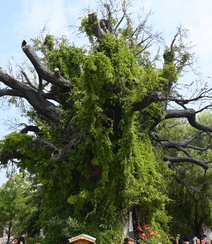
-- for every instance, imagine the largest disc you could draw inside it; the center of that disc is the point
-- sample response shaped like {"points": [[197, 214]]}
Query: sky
{"points": [[24, 19]]}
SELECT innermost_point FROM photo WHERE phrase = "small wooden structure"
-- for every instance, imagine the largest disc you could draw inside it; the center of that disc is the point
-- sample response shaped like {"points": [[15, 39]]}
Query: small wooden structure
{"points": [[82, 239]]}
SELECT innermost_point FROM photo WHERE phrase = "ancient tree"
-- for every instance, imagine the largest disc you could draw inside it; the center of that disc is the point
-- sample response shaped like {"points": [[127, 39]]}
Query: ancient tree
{"points": [[94, 136]]}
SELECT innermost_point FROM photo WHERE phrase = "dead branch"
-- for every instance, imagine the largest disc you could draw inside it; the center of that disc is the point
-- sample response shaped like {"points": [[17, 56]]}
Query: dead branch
{"points": [[155, 97], [42, 70], [11, 92], [57, 154], [180, 181], [190, 114], [30, 128], [96, 28], [46, 108], [202, 164]]}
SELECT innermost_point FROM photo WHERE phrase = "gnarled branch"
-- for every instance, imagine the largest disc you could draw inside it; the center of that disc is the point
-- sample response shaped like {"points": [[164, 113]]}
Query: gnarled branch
{"points": [[11, 92], [42, 70], [155, 97], [31, 128], [57, 154], [46, 108], [201, 163], [190, 114]]}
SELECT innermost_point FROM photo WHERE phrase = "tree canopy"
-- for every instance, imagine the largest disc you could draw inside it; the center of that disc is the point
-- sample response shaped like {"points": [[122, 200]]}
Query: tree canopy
{"points": [[95, 138]]}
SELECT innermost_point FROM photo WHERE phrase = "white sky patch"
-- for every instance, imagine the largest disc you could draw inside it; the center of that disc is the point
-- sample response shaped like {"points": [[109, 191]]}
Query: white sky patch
{"points": [[56, 15], [193, 15], [38, 13], [200, 23]]}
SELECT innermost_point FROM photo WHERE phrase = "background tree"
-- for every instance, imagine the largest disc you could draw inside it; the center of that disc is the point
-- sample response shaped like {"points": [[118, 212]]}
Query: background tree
{"points": [[95, 115], [14, 203], [190, 204]]}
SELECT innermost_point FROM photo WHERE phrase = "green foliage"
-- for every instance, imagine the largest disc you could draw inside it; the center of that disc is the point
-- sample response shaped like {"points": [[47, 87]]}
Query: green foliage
{"points": [[67, 58], [34, 240], [15, 204], [169, 72], [11, 144], [59, 230], [86, 28], [111, 81]]}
